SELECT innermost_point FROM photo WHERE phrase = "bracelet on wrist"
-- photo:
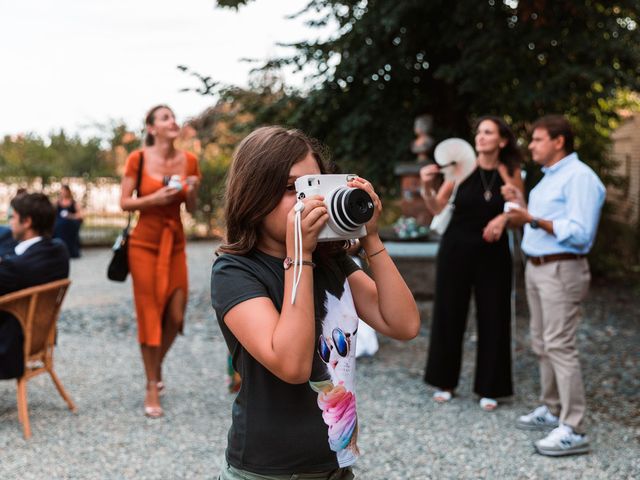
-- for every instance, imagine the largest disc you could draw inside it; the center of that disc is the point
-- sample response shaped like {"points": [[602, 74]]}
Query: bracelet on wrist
{"points": [[424, 193], [376, 253], [289, 262]]}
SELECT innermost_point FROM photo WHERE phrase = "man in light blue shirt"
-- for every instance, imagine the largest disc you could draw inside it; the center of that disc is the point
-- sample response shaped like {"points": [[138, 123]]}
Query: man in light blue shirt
{"points": [[560, 221]]}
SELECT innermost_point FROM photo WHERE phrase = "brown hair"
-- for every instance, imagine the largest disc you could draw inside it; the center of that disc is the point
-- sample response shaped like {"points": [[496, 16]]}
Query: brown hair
{"points": [[510, 155], [257, 180], [37, 207], [557, 125], [67, 188], [149, 120]]}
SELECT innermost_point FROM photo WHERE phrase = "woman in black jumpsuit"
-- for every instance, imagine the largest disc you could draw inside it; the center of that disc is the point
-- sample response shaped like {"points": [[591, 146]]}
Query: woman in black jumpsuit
{"points": [[474, 257]]}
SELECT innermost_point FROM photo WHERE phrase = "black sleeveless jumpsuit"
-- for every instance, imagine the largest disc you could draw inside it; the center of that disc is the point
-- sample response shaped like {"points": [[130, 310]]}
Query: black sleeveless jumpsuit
{"points": [[466, 264]]}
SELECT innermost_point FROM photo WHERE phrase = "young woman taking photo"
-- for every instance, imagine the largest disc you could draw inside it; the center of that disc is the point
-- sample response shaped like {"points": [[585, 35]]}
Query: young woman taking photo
{"points": [[295, 412]]}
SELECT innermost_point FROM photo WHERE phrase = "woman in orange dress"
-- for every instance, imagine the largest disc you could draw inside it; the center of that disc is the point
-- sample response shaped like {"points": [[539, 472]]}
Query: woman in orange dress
{"points": [[157, 259]]}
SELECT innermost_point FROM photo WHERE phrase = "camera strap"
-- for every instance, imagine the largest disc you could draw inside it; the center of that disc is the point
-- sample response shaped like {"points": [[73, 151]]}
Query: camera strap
{"points": [[297, 249]]}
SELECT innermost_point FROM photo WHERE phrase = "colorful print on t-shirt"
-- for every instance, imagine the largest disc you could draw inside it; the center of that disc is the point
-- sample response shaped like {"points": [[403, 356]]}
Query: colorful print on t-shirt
{"points": [[336, 347]]}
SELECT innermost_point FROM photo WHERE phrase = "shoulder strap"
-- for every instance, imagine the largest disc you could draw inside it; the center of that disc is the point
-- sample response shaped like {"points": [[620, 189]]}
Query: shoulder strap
{"points": [[139, 179], [137, 189]]}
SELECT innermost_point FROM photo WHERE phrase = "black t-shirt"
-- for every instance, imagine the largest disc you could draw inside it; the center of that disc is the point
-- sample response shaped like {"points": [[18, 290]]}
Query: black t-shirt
{"points": [[277, 427]]}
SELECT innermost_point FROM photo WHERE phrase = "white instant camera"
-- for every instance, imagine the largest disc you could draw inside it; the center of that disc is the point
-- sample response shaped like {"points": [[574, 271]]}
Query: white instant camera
{"points": [[349, 208]]}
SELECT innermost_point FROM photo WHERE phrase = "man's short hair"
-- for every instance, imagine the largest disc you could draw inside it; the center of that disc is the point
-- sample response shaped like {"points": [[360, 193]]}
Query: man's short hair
{"points": [[557, 125], [37, 207]]}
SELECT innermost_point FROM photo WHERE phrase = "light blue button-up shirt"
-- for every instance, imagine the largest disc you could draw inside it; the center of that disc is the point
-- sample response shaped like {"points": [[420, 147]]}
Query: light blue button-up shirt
{"points": [[570, 195]]}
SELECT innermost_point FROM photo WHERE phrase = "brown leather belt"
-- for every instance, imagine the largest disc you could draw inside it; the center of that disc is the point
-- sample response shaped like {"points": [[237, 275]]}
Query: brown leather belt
{"points": [[555, 257]]}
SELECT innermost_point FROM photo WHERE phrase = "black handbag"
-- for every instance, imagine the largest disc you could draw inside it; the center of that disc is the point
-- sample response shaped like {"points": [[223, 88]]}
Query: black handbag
{"points": [[119, 265]]}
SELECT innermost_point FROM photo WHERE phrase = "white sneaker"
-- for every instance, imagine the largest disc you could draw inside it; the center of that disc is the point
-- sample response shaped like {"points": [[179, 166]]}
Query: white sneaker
{"points": [[540, 419], [562, 441]]}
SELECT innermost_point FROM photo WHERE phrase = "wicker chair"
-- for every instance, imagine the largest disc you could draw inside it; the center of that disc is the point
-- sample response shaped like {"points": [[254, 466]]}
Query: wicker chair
{"points": [[37, 309]]}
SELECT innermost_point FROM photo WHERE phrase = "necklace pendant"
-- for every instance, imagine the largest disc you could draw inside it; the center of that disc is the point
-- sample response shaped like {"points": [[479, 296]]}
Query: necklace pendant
{"points": [[487, 195]]}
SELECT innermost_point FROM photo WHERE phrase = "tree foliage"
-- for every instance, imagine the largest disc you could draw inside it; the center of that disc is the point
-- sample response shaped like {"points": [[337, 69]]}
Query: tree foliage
{"points": [[457, 60], [60, 155], [221, 127]]}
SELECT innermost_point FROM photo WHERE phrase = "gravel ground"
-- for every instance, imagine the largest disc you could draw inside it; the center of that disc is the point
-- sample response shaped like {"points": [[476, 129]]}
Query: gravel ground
{"points": [[404, 435]]}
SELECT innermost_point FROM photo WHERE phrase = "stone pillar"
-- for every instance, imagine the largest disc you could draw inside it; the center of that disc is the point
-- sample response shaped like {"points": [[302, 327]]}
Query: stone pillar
{"points": [[411, 203]]}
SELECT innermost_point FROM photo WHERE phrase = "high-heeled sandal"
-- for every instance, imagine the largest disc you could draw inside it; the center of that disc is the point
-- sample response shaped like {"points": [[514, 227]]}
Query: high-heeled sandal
{"points": [[160, 386], [442, 396], [153, 412], [488, 404]]}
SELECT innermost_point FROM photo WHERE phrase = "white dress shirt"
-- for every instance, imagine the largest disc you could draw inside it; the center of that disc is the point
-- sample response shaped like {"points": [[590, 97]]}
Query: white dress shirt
{"points": [[25, 244], [571, 196]]}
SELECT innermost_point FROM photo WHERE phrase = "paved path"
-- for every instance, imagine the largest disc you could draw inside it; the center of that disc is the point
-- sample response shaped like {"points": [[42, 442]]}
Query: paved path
{"points": [[404, 435]]}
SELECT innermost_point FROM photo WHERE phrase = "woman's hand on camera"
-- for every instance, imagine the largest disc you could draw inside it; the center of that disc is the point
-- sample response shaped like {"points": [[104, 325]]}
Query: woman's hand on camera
{"points": [[361, 183], [313, 217], [192, 183], [165, 196]]}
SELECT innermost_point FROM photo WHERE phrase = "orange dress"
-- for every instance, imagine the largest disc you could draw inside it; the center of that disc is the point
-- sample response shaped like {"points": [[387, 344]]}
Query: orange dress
{"points": [[157, 259]]}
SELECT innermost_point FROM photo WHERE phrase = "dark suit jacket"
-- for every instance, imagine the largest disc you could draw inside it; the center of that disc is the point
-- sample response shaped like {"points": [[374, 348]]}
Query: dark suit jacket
{"points": [[7, 243], [43, 262]]}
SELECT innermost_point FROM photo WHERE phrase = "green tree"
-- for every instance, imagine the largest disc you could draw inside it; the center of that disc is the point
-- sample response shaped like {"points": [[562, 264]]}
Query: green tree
{"points": [[118, 134], [76, 158], [456, 60], [390, 61], [58, 156], [221, 127], [26, 156]]}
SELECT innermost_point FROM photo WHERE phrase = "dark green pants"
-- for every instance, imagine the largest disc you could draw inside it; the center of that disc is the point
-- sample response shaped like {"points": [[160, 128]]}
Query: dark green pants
{"points": [[230, 473]]}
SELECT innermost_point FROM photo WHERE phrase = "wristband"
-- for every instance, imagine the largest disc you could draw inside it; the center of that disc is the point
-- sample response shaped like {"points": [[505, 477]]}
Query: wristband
{"points": [[376, 253], [427, 194], [288, 262]]}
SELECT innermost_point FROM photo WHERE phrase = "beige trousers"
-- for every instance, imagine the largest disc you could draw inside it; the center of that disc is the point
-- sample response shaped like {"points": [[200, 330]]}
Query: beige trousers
{"points": [[554, 293]]}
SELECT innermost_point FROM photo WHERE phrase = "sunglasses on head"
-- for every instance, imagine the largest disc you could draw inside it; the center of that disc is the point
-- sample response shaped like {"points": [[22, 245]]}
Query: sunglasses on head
{"points": [[341, 341]]}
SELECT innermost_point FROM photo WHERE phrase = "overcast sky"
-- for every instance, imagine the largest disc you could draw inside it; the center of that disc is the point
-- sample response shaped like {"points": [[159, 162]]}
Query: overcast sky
{"points": [[71, 63]]}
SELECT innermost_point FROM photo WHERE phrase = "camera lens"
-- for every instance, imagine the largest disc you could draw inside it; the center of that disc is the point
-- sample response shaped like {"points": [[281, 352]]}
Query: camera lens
{"points": [[362, 207], [351, 208]]}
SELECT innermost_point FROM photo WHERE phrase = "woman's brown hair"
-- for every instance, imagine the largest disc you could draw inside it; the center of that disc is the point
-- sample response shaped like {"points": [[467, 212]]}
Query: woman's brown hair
{"points": [[510, 155], [257, 180], [67, 189], [149, 120]]}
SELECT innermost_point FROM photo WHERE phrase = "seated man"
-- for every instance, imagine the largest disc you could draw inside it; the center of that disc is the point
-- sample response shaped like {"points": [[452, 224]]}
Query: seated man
{"points": [[36, 259]]}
